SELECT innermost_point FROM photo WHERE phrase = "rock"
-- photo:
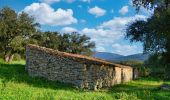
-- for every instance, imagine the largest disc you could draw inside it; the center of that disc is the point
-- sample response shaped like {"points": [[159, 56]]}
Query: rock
{"points": [[165, 86]]}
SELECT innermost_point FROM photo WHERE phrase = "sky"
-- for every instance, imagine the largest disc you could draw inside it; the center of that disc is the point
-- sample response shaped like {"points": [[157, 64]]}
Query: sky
{"points": [[104, 21]]}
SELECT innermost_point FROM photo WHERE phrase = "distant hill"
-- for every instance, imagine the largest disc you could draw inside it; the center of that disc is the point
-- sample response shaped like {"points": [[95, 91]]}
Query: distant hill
{"points": [[118, 58], [107, 56], [139, 57]]}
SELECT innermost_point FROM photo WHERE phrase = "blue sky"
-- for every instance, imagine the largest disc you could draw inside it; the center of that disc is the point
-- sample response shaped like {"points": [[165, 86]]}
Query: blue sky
{"points": [[102, 20]]}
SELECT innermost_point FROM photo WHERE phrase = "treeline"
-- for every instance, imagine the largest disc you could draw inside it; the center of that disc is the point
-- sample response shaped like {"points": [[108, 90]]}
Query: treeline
{"points": [[18, 30]]}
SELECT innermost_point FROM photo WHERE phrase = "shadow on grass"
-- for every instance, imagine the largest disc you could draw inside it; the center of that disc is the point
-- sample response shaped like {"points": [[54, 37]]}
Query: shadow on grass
{"points": [[142, 91], [16, 73]]}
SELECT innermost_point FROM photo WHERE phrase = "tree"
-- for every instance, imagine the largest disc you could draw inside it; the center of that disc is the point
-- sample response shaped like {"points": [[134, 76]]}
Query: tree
{"points": [[47, 39], [76, 43], [154, 33], [151, 4], [67, 42], [15, 31]]}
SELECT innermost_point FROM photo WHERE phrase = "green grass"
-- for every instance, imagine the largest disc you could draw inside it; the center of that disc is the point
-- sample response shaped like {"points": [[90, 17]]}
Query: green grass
{"points": [[15, 84]]}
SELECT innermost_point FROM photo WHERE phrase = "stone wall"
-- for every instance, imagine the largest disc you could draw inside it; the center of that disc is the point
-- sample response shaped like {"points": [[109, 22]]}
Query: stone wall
{"points": [[81, 71]]}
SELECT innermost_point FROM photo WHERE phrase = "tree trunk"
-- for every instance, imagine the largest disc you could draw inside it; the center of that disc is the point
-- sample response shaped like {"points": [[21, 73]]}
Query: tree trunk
{"points": [[11, 58], [6, 58]]}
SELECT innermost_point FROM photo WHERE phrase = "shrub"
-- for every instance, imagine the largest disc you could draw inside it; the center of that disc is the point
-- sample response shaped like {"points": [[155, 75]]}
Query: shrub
{"points": [[158, 66], [144, 71], [17, 57]]}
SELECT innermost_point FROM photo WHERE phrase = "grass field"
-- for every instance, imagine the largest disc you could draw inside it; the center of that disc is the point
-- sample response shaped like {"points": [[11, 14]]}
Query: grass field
{"points": [[15, 84]]}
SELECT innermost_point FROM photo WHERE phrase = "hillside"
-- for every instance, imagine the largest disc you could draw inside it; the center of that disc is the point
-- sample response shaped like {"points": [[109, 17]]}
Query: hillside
{"points": [[107, 56], [117, 57], [139, 57]]}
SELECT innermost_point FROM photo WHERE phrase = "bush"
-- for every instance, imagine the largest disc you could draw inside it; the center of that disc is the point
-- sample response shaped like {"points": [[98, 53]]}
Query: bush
{"points": [[167, 72], [144, 71], [158, 66], [158, 72], [17, 57]]}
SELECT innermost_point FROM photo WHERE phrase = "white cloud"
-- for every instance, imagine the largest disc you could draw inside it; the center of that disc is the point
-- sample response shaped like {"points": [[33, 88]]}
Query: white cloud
{"points": [[119, 23], [110, 32], [146, 11], [46, 15], [97, 11], [49, 1], [102, 37], [68, 1], [68, 30], [123, 10], [125, 49], [100, 49]]}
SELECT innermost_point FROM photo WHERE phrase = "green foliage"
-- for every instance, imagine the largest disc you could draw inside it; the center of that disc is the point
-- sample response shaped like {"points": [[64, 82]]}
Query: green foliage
{"points": [[15, 31], [157, 67], [47, 39], [154, 34], [76, 43], [16, 84], [17, 57], [144, 71], [18, 30], [70, 42], [150, 4]]}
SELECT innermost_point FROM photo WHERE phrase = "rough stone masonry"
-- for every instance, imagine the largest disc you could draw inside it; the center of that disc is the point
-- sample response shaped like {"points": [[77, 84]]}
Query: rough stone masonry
{"points": [[81, 71]]}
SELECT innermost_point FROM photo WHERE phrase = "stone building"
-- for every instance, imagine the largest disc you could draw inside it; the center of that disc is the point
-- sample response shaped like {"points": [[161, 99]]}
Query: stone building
{"points": [[81, 71]]}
